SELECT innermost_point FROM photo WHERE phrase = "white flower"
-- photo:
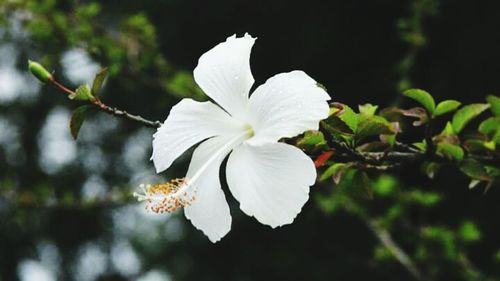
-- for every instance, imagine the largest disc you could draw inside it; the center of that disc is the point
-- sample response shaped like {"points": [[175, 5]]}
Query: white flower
{"points": [[270, 179]]}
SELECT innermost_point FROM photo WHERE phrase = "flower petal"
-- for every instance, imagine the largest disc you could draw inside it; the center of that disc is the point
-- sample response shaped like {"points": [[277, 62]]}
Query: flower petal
{"points": [[285, 106], [188, 123], [209, 212], [271, 181], [224, 74]]}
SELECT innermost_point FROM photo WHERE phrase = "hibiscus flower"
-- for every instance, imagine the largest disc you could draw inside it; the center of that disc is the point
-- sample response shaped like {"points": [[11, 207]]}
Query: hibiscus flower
{"points": [[270, 179]]}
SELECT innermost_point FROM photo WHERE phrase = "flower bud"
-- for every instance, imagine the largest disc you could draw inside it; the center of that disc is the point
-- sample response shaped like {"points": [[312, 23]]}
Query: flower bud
{"points": [[39, 71]]}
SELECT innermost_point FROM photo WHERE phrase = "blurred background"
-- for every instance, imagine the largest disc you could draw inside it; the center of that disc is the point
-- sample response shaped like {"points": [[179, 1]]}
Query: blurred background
{"points": [[65, 206]]}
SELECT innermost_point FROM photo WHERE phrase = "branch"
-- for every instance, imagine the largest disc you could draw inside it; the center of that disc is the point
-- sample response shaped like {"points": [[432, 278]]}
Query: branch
{"points": [[386, 239], [400, 156], [108, 109]]}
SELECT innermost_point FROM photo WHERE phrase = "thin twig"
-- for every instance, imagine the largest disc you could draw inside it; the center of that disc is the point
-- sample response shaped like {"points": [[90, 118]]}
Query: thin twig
{"points": [[386, 239], [108, 109]]}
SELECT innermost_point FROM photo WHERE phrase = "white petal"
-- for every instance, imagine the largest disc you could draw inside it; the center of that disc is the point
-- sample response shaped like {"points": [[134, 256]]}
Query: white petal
{"points": [[209, 211], [224, 74], [271, 181], [285, 106], [188, 123]]}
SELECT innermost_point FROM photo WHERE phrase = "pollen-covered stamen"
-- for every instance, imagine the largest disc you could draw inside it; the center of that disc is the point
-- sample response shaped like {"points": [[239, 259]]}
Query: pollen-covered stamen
{"points": [[166, 197]]}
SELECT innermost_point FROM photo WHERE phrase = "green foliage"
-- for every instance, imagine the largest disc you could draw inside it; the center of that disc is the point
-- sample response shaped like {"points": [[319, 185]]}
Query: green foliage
{"points": [[312, 140], [350, 118], [469, 232], [99, 81], [474, 170], [368, 109], [422, 97], [372, 126], [77, 118], [384, 185], [463, 116], [82, 93], [451, 151], [494, 102], [445, 107], [335, 171], [356, 183]]}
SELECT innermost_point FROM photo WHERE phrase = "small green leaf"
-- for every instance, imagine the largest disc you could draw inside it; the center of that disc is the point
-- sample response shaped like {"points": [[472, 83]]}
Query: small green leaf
{"points": [[445, 107], [332, 171], [385, 185], [311, 139], [490, 125], [474, 170], [424, 198], [349, 117], [372, 126], [448, 129], [82, 93], [98, 81], [422, 97], [451, 151], [463, 116], [356, 183], [493, 171], [368, 109], [479, 145], [336, 126], [422, 146], [469, 232], [494, 101], [77, 118]]}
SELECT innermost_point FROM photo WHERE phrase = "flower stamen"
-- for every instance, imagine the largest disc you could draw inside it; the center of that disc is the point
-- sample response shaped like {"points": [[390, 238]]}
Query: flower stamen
{"points": [[165, 197]]}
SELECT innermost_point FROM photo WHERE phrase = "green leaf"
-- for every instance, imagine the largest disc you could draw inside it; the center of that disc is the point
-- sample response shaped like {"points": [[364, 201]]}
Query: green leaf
{"points": [[463, 116], [469, 232], [82, 93], [77, 118], [448, 129], [479, 145], [98, 81], [336, 127], [332, 171], [490, 125], [474, 170], [493, 171], [349, 117], [367, 109], [445, 107], [311, 139], [422, 97], [422, 146], [372, 126], [357, 184], [451, 151], [385, 185], [494, 101]]}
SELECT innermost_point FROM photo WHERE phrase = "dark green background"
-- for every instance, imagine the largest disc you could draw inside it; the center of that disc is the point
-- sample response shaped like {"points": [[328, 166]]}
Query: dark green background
{"points": [[351, 47]]}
